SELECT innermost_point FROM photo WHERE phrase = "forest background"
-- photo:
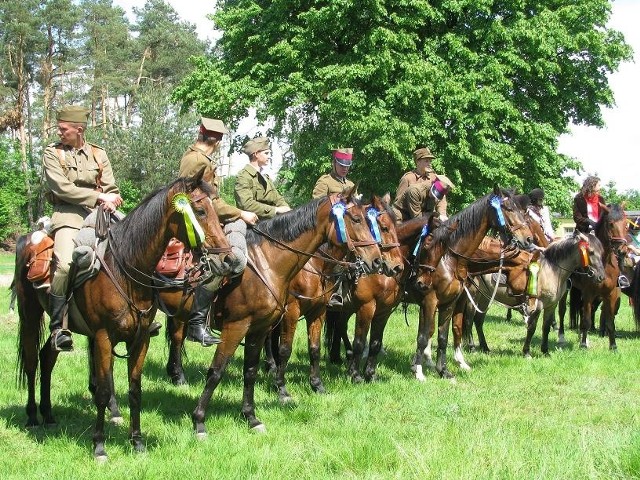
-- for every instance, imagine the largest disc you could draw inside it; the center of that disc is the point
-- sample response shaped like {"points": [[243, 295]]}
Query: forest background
{"points": [[488, 85]]}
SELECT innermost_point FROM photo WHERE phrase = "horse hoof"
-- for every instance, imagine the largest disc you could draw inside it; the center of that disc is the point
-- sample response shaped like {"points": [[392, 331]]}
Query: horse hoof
{"points": [[584, 346], [286, 399], [259, 428], [357, 379], [527, 356], [446, 375], [117, 420], [101, 459], [201, 435]]}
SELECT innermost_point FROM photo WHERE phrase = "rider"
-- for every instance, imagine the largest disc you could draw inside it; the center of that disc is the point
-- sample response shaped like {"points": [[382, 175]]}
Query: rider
{"points": [[421, 190], [588, 207], [254, 190], [540, 212], [78, 178], [331, 183], [202, 154]]}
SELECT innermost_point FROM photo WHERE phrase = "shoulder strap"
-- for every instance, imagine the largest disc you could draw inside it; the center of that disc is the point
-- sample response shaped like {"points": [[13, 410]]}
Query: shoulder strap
{"points": [[61, 156], [100, 167]]}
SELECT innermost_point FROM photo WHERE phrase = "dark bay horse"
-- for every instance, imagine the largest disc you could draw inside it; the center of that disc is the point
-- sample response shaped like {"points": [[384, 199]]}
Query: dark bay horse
{"points": [[611, 230], [579, 254], [118, 304], [443, 267], [248, 308]]}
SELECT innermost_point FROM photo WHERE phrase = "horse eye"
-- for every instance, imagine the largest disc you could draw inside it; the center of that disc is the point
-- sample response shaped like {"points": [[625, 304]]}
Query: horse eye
{"points": [[385, 229], [356, 218], [200, 212]]}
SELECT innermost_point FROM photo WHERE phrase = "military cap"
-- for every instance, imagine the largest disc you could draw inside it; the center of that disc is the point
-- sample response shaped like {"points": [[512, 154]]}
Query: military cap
{"points": [[213, 125], [536, 195], [343, 156], [440, 187], [256, 145], [73, 113], [422, 153]]}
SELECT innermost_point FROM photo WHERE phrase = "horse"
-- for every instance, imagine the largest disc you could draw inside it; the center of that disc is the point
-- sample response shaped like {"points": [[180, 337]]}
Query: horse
{"points": [[611, 230], [443, 267], [309, 292], [578, 254], [249, 307], [117, 305]]}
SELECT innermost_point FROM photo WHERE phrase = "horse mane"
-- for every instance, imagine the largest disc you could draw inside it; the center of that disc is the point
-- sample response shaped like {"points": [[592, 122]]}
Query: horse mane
{"points": [[614, 212], [561, 249], [387, 208], [408, 229], [143, 222], [465, 221], [288, 226]]}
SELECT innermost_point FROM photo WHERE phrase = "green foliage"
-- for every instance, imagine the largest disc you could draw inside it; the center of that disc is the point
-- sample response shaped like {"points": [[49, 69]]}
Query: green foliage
{"points": [[227, 187], [13, 216], [630, 198], [488, 86]]}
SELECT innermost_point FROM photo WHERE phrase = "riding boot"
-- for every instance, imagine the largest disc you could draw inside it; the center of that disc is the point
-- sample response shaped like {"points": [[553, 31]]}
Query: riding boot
{"points": [[197, 330], [60, 338]]}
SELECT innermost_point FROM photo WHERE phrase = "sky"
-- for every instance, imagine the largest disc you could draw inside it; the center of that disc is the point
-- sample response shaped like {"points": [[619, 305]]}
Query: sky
{"points": [[610, 152]]}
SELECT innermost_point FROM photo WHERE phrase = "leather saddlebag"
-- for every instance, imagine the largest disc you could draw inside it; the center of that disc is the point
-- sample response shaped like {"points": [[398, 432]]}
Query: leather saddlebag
{"points": [[174, 260], [40, 258]]}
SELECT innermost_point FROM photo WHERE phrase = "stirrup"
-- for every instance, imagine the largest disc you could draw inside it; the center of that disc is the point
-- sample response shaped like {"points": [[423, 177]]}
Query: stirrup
{"points": [[59, 343], [623, 282], [336, 300], [154, 329]]}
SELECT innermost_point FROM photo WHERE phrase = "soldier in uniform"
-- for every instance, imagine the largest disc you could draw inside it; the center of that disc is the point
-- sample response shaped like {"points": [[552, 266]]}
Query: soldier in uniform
{"points": [[421, 190], [197, 156], [336, 181], [254, 190], [78, 178]]}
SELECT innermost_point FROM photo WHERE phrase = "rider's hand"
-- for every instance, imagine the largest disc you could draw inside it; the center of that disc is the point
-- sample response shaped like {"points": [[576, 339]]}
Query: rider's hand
{"points": [[283, 209], [113, 198], [249, 218]]}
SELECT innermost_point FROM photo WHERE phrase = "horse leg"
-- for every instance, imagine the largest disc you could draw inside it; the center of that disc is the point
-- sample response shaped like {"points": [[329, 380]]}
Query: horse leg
{"points": [[547, 321], [426, 327], [608, 316], [314, 333], [30, 330], [456, 327], [585, 322], [531, 329], [468, 319], [562, 310], [444, 319], [102, 366], [478, 320], [271, 345], [363, 324], [176, 326], [252, 347], [378, 325], [114, 409], [286, 335], [135, 363], [231, 335], [334, 324]]}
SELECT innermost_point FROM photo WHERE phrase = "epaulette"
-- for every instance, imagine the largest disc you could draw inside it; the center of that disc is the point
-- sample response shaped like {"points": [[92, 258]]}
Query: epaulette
{"points": [[94, 145]]}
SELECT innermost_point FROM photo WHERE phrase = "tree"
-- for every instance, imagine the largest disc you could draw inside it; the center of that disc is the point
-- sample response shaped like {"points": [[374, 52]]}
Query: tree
{"points": [[488, 85]]}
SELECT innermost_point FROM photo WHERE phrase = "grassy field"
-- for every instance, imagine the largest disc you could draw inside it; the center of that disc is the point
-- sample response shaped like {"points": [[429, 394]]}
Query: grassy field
{"points": [[7, 263], [573, 415]]}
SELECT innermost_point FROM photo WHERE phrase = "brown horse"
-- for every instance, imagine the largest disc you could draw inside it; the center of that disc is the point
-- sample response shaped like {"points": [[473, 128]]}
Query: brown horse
{"points": [[309, 292], [117, 305], [611, 230], [278, 249], [444, 266]]}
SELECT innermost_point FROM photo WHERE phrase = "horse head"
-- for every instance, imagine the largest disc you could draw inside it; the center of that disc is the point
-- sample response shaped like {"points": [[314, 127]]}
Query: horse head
{"points": [[508, 219], [194, 218], [354, 232], [382, 223], [612, 229]]}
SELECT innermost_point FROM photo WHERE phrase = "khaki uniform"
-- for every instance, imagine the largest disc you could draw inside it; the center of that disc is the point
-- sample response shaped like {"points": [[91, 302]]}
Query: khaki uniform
{"points": [[192, 162], [72, 177], [413, 198], [255, 192], [329, 184]]}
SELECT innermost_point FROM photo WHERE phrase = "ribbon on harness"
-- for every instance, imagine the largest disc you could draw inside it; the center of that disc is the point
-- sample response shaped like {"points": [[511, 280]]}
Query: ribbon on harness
{"points": [[584, 253], [195, 234], [338, 210], [423, 234], [495, 203], [372, 217]]}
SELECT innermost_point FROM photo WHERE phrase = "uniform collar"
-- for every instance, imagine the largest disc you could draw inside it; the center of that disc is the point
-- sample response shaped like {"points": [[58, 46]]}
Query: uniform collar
{"points": [[195, 148], [339, 179]]}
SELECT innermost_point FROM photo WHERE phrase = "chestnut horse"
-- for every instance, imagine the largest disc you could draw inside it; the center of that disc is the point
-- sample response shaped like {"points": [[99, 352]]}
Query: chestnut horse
{"points": [[611, 230], [370, 296], [443, 267], [249, 306], [117, 305]]}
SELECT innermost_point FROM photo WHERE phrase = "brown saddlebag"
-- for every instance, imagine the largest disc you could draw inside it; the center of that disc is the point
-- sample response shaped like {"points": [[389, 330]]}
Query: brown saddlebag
{"points": [[40, 257], [175, 259]]}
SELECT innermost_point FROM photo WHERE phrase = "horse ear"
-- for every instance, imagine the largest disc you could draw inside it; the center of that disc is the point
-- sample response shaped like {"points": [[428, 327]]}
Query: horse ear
{"points": [[349, 193], [496, 190], [386, 198], [197, 178]]}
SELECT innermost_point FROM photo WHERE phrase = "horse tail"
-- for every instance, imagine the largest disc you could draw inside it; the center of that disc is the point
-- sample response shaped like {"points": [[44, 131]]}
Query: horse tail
{"points": [[635, 295], [30, 315]]}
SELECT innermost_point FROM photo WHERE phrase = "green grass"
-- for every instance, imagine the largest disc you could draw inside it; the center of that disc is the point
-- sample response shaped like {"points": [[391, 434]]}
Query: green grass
{"points": [[7, 262], [573, 415]]}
